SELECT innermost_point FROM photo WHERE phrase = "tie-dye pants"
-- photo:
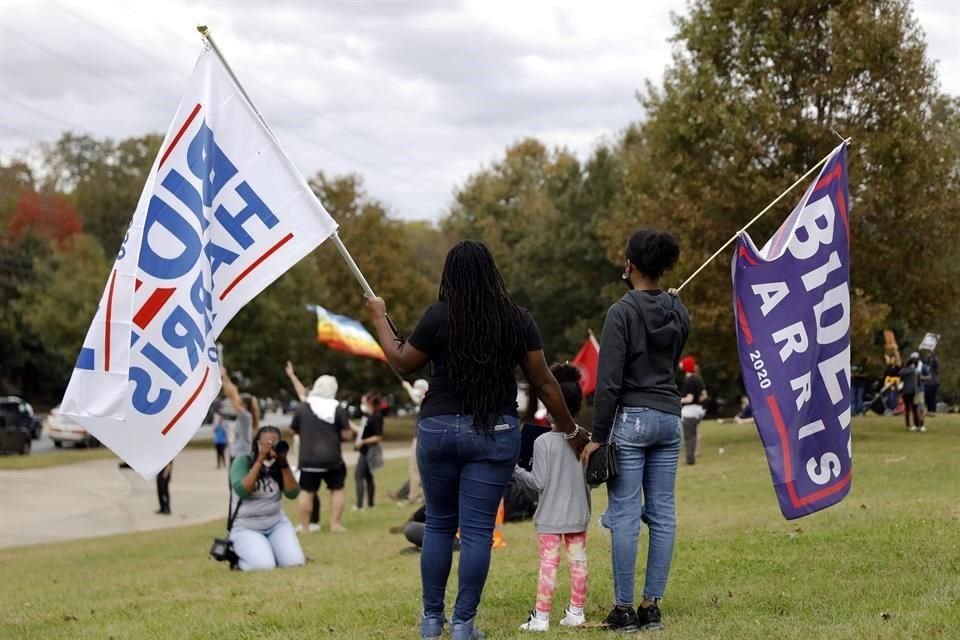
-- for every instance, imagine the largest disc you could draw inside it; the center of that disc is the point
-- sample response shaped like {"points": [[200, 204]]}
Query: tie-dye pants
{"points": [[576, 544]]}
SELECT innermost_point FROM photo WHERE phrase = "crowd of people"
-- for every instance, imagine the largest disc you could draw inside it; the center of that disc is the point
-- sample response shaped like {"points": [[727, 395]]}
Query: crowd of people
{"points": [[467, 452]]}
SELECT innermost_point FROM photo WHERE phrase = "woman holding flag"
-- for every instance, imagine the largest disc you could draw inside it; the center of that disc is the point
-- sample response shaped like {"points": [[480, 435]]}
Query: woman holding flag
{"points": [[637, 406], [468, 434]]}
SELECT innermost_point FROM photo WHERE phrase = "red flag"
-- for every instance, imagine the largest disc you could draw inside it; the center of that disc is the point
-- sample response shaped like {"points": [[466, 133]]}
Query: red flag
{"points": [[586, 361]]}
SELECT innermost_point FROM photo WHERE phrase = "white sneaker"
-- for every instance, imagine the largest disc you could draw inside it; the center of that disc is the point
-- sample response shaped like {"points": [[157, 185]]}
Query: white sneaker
{"points": [[571, 619], [535, 623], [298, 528], [313, 528], [923, 429], [914, 428], [356, 508]]}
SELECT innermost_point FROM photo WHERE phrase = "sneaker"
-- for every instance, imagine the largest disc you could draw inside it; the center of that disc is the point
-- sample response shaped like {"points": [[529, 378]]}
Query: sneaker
{"points": [[914, 428], [466, 631], [298, 528], [356, 508], [313, 527], [535, 623], [923, 429], [431, 628], [338, 528], [649, 618], [571, 619], [622, 620]]}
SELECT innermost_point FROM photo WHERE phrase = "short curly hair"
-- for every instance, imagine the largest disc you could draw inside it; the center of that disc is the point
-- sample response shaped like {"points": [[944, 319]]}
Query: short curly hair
{"points": [[653, 252]]}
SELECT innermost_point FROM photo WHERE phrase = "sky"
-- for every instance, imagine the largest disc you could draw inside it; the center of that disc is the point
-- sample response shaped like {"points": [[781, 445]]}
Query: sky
{"points": [[413, 96]]}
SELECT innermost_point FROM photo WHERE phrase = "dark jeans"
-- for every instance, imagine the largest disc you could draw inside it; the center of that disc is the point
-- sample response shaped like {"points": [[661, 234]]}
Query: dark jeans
{"points": [[930, 396], [163, 489], [364, 478], [690, 426], [909, 405], [858, 407], [464, 474], [221, 461]]}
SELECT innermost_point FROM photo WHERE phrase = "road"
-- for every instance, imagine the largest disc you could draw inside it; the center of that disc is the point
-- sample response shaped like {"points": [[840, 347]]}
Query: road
{"points": [[97, 498]]}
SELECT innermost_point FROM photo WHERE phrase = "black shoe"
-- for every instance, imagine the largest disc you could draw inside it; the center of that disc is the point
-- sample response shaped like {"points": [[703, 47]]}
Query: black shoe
{"points": [[649, 617], [622, 620]]}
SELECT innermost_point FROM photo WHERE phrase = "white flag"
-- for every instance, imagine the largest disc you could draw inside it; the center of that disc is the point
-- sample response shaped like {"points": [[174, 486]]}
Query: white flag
{"points": [[223, 214]]}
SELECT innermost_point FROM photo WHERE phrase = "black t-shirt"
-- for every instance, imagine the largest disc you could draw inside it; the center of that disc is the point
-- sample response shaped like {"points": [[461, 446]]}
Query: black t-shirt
{"points": [[319, 439], [373, 426], [431, 336], [692, 385]]}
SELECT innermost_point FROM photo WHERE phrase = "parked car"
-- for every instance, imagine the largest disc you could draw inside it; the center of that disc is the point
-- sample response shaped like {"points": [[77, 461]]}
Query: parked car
{"points": [[61, 428], [22, 413], [15, 434]]}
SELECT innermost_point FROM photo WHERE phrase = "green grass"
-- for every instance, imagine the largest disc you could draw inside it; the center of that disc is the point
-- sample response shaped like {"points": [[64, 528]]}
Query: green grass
{"points": [[396, 430], [885, 563]]}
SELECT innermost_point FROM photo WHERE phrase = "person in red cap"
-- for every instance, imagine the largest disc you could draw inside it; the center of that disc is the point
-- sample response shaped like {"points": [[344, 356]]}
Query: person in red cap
{"points": [[692, 393]]}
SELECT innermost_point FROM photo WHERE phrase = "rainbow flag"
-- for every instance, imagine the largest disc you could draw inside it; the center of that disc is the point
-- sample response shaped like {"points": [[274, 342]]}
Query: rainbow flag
{"points": [[347, 335]]}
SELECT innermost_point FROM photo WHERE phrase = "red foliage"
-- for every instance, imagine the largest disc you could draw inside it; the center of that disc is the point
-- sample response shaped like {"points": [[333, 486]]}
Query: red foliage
{"points": [[48, 215]]}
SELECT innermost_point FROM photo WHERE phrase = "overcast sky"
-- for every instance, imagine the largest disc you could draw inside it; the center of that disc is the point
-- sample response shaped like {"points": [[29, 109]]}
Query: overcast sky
{"points": [[413, 96]]}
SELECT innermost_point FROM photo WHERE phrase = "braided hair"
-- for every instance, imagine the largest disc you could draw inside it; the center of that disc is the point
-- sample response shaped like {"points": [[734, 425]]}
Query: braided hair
{"points": [[486, 331]]}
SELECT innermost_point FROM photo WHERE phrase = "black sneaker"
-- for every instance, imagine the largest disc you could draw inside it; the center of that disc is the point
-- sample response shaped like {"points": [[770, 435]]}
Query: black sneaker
{"points": [[622, 620], [649, 618]]}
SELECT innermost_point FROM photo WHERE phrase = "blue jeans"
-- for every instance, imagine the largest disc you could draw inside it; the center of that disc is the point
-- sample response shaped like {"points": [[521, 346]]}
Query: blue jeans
{"points": [[263, 550], [649, 447], [463, 474]]}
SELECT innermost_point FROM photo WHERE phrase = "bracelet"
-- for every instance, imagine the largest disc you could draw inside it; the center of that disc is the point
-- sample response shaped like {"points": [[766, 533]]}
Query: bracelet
{"points": [[573, 434]]}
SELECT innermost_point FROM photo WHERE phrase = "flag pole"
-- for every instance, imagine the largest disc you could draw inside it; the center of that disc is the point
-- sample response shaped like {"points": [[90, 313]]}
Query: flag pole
{"points": [[344, 253], [759, 215]]}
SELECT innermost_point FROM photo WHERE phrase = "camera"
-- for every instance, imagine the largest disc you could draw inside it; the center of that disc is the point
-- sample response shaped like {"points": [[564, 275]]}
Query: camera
{"points": [[281, 448]]}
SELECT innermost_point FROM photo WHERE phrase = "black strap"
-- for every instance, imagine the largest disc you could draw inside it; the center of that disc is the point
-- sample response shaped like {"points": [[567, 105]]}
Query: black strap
{"points": [[233, 516]]}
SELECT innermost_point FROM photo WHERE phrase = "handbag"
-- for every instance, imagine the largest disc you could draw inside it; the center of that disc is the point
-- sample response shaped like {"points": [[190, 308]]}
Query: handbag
{"points": [[222, 548], [602, 466]]}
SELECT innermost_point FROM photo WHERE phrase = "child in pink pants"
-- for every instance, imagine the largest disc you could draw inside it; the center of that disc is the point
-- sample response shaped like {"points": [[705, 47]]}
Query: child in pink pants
{"points": [[563, 513]]}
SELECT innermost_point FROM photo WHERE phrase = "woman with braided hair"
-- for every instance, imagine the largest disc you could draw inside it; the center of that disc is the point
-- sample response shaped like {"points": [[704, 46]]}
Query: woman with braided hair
{"points": [[468, 434]]}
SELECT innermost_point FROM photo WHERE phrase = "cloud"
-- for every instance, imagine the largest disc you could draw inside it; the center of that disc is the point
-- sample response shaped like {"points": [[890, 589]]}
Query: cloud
{"points": [[413, 96]]}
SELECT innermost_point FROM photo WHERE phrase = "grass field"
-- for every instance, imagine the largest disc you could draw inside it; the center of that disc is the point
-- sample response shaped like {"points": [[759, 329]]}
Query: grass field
{"points": [[885, 563]]}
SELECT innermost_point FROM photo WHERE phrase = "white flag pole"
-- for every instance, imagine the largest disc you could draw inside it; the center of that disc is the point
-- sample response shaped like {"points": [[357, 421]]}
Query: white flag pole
{"points": [[344, 253], [758, 216]]}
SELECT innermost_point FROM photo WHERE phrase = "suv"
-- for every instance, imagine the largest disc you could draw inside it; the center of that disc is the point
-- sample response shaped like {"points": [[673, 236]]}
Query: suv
{"points": [[23, 412], [15, 432]]}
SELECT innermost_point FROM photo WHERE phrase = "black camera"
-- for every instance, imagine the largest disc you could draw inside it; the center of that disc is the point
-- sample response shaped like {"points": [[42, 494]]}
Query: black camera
{"points": [[222, 551], [281, 448]]}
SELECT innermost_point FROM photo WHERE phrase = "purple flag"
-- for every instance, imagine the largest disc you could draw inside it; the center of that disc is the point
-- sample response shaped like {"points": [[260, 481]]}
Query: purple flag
{"points": [[792, 309]]}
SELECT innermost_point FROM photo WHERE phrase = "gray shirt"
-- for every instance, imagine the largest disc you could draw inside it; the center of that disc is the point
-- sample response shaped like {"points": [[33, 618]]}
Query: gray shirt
{"points": [[261, 509], [242, 434], [564, 505]]}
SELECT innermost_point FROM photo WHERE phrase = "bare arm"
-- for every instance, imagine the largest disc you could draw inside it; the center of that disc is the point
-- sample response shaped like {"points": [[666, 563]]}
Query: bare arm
{"points": [[230, 390], [298, 387], [546, 388], [401, 355]]}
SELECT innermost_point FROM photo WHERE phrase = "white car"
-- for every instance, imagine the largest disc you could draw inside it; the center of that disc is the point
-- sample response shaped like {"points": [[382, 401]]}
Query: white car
{"points": [[62, 429]]}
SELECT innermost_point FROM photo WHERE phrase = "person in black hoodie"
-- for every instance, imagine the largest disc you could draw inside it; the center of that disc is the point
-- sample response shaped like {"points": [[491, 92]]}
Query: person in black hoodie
{"points": [[637, 405]]}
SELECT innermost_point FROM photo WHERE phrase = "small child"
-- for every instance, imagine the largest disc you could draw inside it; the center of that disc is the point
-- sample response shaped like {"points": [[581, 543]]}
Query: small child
{"points": [[563, 512]]}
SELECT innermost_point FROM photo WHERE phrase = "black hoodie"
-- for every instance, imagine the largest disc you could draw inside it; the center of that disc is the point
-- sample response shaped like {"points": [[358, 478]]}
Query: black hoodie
{"points": [[643, 337]]}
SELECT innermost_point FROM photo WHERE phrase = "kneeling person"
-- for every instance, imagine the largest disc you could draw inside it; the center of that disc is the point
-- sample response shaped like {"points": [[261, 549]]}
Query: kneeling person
{"points": [[262, 535]]}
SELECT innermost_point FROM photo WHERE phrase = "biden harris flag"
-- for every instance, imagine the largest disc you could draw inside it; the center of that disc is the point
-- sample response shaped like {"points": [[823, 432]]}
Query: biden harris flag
{"points": [[791, 303], [222, 215]]}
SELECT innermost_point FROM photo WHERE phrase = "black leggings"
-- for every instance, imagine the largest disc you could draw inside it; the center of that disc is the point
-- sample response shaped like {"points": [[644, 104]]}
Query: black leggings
{"points": [[163, 489], [909, 404], [364, 478]]}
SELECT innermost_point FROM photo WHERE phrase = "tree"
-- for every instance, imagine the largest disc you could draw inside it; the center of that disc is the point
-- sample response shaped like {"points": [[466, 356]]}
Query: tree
{"points": [[751, 100], [49, 215], [103, 180], [538, 210], [55, 308], [276, 325]]}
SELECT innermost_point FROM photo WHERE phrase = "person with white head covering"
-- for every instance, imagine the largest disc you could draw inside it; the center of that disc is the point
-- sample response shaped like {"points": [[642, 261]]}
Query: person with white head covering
{"points": [[323, 425]]}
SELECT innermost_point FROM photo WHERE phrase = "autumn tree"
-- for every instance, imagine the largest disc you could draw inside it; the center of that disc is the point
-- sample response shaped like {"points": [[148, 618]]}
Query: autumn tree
{"points": [[752, 99]]}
